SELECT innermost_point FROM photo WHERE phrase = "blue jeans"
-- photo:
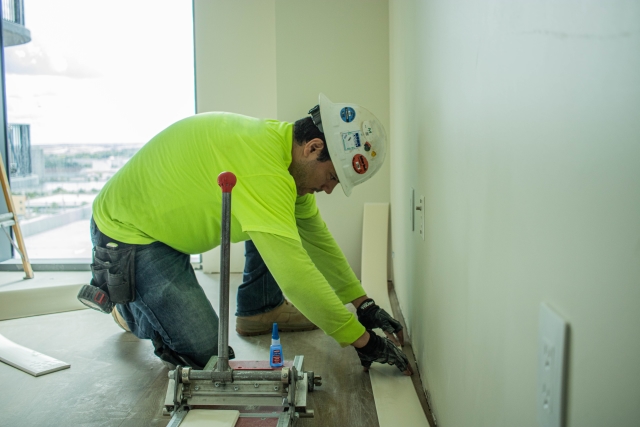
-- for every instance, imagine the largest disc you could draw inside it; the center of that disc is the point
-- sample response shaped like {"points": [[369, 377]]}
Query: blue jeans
{"points": [[259, 292], [170, 304], [172, 309]]}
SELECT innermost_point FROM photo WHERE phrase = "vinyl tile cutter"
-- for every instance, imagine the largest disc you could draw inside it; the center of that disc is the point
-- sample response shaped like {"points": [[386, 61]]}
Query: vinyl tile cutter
{"points": [[265, 397]]}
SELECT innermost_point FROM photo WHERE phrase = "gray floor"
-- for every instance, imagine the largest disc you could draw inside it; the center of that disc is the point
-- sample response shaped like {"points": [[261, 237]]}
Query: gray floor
{"points": [[115, 380]]}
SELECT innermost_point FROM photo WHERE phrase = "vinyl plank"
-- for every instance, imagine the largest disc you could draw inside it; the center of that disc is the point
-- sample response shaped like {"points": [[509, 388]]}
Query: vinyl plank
{"points": [[204, 418]]}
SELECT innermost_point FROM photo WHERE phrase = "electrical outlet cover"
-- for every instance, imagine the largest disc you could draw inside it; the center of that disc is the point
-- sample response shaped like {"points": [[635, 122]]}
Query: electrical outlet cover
{"points": [[551, 368], [412, 209], [421, 217]]}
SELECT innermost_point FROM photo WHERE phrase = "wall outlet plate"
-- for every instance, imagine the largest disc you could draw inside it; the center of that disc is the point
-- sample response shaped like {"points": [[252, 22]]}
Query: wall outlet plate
{"points": [[420, 209], [552, 344], [412, 209]]}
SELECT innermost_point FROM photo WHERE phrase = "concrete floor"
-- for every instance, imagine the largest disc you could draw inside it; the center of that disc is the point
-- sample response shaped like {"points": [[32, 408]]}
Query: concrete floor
{"points": [[115, 380]]}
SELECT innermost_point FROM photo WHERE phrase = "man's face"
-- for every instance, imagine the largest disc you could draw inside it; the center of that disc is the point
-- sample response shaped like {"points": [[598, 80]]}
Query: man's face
{"points": [[310, 175]]}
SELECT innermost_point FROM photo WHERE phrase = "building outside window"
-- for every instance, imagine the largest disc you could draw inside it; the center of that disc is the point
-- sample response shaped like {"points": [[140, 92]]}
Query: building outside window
{"points": [[90, 85]]}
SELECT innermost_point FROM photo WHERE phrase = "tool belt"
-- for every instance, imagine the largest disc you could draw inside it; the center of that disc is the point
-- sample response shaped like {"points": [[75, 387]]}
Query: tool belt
{"points": [[114, 270]]}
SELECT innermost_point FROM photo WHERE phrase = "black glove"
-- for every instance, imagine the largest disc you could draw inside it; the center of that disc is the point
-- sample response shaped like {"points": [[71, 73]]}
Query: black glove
{"points": [[372, 316], [382, 350]]}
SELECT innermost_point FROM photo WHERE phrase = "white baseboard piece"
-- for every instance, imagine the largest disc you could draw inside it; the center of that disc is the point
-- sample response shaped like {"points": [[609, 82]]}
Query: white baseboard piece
{"points": [[28, 360], [396, 400], [36, 301], [211, 259], [210, 418]]}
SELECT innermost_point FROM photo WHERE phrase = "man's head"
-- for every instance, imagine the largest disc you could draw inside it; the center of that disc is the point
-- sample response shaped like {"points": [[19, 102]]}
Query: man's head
{"points": [[355, 138], [348, 133], [304, 130], [311, 165]]}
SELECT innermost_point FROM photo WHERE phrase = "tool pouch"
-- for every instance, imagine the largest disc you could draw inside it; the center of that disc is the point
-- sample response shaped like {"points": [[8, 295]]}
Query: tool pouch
{"points": [[114, 272]]}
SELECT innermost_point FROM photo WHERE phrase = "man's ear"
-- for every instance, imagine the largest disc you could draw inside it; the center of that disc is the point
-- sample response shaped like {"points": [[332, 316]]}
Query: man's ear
{"points": [[313, 147]]}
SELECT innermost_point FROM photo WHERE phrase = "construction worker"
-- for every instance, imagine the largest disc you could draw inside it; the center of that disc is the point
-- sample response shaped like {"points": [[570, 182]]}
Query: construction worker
{"points": [[164, 204]]}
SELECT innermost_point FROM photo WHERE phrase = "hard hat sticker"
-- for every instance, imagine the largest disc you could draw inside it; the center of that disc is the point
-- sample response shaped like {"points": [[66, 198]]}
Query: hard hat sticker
{"points": [[351, 140], [360, 163], [347, 114], [367, 128]]}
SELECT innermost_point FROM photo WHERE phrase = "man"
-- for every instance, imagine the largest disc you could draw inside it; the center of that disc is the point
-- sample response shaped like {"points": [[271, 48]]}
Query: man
{"points": [[165, 204]]}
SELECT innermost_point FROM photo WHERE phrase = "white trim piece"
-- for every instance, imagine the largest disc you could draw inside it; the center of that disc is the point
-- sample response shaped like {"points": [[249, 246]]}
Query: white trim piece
{"points": [[47, 293], [394, 393], [28, 360], [210, 418], [37, 301], [211, 259]]}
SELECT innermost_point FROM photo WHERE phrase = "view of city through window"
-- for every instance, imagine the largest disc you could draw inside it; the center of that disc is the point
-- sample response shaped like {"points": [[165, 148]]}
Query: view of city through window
{"points": [[95, 81]]}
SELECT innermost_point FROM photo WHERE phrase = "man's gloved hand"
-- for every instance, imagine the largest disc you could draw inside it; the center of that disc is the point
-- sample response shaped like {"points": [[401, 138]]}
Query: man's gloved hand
{"points": [[372, 316], [382, 350]]}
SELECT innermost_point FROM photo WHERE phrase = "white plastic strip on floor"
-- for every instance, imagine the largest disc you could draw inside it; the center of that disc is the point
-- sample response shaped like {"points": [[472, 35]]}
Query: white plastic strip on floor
{"points": [[48, 292], [37, 301], [28, 360], [393, 392], [210, 418]]}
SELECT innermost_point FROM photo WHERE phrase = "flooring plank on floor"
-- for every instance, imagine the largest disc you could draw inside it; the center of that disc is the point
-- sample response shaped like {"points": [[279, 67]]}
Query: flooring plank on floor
{"points": [[28, 360]]}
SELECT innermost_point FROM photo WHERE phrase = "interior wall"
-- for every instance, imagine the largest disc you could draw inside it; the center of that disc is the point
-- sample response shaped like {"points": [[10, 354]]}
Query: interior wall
{"points": [[271, 59], [235, 66], [340, 48], [235, 56], [518, 121]]}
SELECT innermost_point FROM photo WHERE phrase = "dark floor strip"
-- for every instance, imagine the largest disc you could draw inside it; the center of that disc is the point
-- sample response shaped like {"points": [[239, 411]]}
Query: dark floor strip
{"points": [[416, 378]]}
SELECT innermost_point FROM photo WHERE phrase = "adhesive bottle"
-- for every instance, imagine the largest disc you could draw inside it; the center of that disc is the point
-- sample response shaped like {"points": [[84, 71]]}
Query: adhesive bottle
{"points": [[276, 359]]}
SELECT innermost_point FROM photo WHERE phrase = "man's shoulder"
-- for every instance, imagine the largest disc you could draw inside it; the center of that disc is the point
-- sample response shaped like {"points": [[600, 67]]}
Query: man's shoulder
{"points": [[306, 206]]}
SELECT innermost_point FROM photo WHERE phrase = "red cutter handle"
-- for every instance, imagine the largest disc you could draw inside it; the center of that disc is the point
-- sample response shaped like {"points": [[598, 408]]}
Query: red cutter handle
{"points": [[226, 181]]}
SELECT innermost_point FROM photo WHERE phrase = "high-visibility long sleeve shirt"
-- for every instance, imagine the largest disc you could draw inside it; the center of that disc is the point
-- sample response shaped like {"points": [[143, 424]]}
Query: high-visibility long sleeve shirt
{"points": [[316, 277], [168, 192]]}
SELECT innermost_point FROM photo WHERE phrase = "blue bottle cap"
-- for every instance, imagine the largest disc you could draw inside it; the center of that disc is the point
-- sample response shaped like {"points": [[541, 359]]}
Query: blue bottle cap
{"points": [[274, 333]]}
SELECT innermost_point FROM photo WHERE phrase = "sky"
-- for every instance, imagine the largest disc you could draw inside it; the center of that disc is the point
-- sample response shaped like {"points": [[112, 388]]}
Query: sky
{"points": [[98, 71]]}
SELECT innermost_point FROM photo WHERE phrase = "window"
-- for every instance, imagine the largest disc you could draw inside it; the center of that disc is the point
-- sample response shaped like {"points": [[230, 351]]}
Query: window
{"points": [[95, 82]]}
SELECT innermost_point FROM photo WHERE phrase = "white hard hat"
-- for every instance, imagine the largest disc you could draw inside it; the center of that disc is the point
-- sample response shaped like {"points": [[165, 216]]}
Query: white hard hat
{"points": [[355, 138]]}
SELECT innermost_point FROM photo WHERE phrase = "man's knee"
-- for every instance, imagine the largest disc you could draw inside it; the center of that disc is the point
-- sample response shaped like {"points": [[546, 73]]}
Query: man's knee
{"points": [[196, 357]]}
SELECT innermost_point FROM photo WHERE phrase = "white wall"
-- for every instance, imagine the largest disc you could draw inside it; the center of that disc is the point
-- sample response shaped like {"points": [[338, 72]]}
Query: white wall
{"points": [[235, 55], [235, 66], [520, 123], [271, 58]]}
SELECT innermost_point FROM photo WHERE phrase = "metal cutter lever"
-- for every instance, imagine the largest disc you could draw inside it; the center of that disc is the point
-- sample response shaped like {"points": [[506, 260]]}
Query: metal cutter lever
{"points": [[226, 181]]}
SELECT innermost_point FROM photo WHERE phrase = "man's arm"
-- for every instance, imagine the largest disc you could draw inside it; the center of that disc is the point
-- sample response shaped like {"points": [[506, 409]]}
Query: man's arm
{"points": [[306, 287], [329, 259], [327, 256], [310, 292]]}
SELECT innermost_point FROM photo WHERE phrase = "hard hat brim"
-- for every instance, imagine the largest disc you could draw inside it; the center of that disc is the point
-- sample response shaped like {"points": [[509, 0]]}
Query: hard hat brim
{"points": [[331, 135]]}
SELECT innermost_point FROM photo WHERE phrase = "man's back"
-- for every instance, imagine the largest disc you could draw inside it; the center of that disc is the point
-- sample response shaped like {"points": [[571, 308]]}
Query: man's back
{"points": [[167, 192]]}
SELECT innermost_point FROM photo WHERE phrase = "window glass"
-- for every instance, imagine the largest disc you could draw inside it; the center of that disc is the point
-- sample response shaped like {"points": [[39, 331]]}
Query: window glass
{"points": [[95, 82]]}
